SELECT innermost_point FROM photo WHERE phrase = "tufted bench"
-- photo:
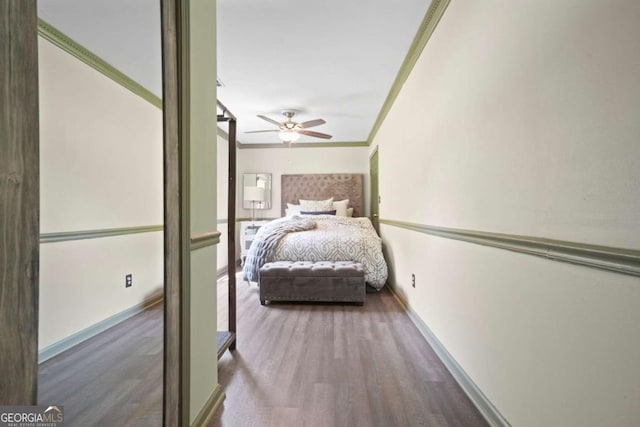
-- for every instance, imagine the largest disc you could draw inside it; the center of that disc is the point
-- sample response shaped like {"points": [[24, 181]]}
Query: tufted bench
{"points": [[339, 281]]}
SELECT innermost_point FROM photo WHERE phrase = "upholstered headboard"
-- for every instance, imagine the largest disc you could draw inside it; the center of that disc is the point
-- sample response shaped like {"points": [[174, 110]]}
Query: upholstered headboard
{"points": [[340, 186]]}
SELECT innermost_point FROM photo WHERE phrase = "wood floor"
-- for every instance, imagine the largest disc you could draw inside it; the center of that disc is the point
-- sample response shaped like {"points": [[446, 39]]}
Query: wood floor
{"points": [[295, 365], [335, 365], [112, 379]]}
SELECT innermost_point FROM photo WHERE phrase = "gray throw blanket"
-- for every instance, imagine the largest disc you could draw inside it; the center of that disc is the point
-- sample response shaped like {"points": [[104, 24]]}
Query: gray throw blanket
{"points": [[266, 241]]}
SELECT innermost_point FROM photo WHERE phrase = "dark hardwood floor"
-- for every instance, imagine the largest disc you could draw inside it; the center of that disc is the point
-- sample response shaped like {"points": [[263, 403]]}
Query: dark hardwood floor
{"points": [[295, 365], [112, 379], [335, 365]]}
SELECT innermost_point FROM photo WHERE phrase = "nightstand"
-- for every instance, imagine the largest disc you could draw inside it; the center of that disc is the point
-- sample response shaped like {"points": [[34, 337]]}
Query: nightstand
{"points": [[248, 230]]}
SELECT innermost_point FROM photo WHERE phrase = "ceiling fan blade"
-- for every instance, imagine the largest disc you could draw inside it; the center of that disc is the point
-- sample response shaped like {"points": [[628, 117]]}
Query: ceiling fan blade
{"points": [[312, 123], [315, 134], [260, 131], [273, 122]]}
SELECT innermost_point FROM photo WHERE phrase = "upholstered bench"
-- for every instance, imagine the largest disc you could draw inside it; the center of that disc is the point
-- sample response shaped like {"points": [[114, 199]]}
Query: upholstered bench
{"points": [[339, 281]]}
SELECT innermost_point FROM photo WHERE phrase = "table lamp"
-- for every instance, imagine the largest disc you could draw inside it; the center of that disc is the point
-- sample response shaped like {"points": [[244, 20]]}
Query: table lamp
{"points": [[253, 195]]}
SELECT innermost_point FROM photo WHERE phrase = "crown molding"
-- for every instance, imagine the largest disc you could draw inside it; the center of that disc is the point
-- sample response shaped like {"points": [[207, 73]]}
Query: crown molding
{"points": [[427, 27], [66, 43], [345, 144]]}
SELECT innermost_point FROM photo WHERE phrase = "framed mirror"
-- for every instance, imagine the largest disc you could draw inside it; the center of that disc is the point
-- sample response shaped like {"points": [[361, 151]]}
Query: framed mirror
{"points": [[256, 191]]}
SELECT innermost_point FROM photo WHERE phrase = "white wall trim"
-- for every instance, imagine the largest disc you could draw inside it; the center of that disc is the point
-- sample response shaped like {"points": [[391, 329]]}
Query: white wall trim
{"points": [[93, 330], [203, 240], [66, 236], [484, 405], [344, 144], [210, 408], [66, 43], [223, 271], [625, 261]]}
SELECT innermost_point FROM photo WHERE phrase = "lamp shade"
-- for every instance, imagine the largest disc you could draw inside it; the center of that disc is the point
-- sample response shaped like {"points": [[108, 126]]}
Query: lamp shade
{"points": [[254, 194], [289, 136]]}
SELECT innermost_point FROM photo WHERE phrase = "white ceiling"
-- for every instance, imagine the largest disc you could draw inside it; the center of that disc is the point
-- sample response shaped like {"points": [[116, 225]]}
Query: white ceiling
{"points": [[124, 33], [330, 59]]}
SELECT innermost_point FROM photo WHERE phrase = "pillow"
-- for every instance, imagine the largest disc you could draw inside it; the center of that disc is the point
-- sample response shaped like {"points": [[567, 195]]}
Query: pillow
{"points": [[316, 205], [319, 213], [292, 210], [341, 207], [350, 212]]}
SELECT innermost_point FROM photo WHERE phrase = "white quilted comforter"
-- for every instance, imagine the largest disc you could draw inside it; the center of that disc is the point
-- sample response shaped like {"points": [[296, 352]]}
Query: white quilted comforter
{"points": [[336, 239]]}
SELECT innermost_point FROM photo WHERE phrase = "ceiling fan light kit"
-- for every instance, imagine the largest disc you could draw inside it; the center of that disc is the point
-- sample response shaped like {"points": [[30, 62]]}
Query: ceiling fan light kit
{"points": [[289, 136], [290, 131]]}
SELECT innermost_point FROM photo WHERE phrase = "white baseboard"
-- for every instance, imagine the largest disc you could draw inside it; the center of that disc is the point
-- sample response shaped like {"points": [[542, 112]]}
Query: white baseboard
{"points": [[93, 330], [223, 271], [210, 408], [486, 408]]}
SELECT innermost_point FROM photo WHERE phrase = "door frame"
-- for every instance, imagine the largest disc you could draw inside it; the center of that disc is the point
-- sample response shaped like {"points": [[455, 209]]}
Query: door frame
{"points": [[374, 220], [177, 236], [19, 175], [19, 203]]}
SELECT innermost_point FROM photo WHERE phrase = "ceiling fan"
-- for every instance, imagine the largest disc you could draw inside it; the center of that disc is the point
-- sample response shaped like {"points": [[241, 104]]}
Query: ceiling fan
{"points": [[290, 131]]}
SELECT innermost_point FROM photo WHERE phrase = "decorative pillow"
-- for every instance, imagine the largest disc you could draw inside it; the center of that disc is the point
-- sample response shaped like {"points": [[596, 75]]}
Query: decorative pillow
{"points": [[350, 212], [316, 205], [292, 210], [318, 213], [341, 207]]}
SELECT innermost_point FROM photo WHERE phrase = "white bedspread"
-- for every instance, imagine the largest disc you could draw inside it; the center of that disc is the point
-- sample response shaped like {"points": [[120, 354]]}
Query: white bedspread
{"points": [[337, 239]]}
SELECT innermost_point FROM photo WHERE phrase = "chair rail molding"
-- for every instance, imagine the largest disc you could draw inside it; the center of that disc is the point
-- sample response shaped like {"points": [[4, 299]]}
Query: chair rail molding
{"points": [[625, 261], [65, 236], [202, 240]]}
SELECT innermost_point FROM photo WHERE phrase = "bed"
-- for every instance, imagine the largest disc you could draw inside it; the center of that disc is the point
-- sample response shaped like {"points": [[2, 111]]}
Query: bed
{"points": [[320, 237]]}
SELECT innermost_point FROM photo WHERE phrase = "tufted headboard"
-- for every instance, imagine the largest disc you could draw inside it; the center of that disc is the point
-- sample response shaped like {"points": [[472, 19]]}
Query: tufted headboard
{"points": [[340, 186]]}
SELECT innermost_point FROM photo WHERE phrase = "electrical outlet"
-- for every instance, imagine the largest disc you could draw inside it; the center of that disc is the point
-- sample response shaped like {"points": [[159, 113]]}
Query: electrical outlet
{"points": [[413, 280], [128, 280]]}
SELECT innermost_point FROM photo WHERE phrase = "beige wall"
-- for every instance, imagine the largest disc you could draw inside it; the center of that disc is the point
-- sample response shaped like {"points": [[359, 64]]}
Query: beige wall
{"points": [[203, 364], [522, 118], [282, 161], [100, 167]]}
